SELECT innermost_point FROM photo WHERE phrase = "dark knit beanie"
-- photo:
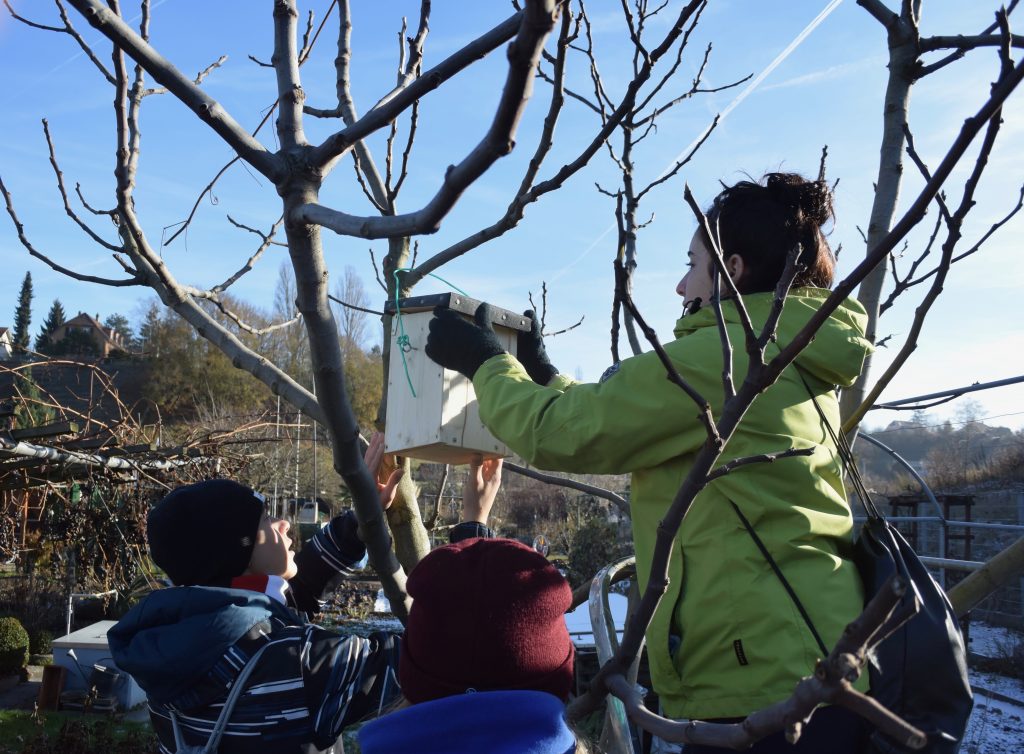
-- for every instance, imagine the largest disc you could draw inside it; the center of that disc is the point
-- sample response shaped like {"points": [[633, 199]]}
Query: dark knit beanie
{"points": [[203, 534], [488, 614]]}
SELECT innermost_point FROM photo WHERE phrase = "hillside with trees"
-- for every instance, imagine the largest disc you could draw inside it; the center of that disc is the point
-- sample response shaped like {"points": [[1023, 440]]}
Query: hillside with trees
{"points": [[949, 454]]}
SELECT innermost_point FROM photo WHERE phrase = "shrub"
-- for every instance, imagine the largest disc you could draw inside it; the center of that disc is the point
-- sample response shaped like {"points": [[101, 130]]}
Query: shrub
{"points": [[40, 642], [37, 600], [46, 734], [595, 545], [13, 646]]}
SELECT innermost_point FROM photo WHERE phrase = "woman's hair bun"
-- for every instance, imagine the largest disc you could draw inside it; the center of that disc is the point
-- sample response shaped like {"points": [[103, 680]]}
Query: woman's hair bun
{"points": [[813, 199]]}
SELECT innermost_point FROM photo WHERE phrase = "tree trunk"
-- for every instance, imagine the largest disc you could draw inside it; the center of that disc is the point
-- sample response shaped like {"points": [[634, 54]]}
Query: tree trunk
{"points": [[412, 541], [903, 56], [311, 284]]}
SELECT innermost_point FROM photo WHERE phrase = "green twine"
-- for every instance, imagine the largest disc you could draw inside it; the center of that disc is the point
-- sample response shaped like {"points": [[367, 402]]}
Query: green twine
{"points": [[404, 345]]}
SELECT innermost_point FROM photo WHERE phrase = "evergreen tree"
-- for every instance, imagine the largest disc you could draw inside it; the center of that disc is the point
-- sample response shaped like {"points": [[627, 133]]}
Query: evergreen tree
{"points": [[54, 319], [148, 339], [30, 408], [120, 324], [23, 315]]}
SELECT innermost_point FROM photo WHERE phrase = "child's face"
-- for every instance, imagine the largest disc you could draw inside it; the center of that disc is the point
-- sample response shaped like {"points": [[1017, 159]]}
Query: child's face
{"points": [[272, 554]]}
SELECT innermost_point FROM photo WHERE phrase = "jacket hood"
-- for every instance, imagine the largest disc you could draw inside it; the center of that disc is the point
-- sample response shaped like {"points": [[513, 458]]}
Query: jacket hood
{"points": [[835, 355], [174, 637]]}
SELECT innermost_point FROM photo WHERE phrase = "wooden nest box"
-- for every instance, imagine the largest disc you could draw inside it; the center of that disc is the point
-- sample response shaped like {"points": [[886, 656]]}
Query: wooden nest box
{"points": [[441, 422]]}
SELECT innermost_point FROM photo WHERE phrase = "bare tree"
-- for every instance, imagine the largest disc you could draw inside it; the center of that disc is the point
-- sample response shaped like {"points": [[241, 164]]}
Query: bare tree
{"points": [[638, 123], [297, 171], [352, 310], [911, 58], [830, 683]]}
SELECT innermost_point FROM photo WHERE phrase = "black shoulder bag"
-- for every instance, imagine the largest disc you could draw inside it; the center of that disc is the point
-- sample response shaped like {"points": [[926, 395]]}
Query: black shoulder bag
{"points": [[920, 671]]}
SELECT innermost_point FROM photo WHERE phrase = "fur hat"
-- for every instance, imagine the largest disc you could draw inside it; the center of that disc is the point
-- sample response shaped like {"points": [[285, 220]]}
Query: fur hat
{"points": [[488, 614], [203, 534]]}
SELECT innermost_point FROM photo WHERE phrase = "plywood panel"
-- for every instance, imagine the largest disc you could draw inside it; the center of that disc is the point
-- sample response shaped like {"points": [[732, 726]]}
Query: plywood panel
{"points": [[413, 421], [442, 423]]}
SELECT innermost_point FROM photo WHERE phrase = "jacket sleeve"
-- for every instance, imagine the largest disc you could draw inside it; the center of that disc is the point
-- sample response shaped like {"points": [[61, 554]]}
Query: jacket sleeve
{"points": [[325, 558], [347, 678], [634, 419], [469, 530]]}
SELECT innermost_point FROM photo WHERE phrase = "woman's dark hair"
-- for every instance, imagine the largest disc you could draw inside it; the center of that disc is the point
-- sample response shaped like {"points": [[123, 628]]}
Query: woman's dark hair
{"points": [[763, 221]]}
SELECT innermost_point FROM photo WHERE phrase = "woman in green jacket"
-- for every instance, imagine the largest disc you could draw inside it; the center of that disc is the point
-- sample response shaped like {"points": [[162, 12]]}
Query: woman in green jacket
{"points": [[727, 639]]}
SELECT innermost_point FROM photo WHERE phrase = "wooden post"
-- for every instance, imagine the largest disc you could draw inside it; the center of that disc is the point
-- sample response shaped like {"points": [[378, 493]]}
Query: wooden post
{"points": [[997, 572], [24, 516], [51, 687]]}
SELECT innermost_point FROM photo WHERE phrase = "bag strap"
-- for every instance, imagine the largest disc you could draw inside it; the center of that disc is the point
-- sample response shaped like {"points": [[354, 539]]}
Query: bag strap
{"points": [[785, 583], [845, 454], [225, 714]]}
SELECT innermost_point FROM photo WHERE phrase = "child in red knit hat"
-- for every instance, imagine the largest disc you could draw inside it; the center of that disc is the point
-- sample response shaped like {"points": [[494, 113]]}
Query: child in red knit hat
{"points": [[486, 660]]}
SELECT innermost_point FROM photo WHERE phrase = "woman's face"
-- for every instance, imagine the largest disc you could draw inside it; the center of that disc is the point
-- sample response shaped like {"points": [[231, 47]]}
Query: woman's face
{"points": [[272, 554], [695, 287]]}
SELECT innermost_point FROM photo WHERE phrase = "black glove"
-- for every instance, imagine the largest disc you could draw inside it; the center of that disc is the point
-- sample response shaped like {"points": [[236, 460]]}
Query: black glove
{"points": [[457, 344], [531, 353]]}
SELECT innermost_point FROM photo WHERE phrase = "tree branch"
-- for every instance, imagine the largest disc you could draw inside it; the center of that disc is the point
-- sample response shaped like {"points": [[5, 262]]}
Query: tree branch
{"points": [[199, 76], [337, 144], [962, 43], [517, 207], [523, 56], [715, 252], [730, 466], [880, 12], [20, 229], [959, 54], [558, 481], [676, 168], [954, 225], [64, 195], [703, 407], [70, 31], [347, 305], [268, 239], [285, 60], [830, 684], [205, 107]]}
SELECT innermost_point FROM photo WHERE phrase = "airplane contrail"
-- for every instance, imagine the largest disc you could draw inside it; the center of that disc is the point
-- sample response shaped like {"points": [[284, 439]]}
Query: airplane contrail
{"points": [[73, 58]]}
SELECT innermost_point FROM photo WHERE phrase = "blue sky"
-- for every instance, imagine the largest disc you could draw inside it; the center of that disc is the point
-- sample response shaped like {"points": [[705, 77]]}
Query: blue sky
{"points": [[828, 91]]}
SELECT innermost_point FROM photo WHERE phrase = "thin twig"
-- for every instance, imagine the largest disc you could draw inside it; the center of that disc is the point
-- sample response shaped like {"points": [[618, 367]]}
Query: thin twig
{"points": [[20, 229], [559, 481], [347, 305], [730, 466], [64, 195]]}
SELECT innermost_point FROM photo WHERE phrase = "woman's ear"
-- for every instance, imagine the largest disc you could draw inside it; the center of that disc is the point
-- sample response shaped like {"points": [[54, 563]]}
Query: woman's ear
{"points": [[736, 267]]}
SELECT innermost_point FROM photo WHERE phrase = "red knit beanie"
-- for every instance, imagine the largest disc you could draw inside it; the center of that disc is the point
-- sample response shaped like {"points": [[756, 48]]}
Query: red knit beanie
{"points": [[488, 614]]}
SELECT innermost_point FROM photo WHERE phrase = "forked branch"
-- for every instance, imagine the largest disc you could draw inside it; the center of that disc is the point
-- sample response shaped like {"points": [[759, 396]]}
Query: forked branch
{"points": [[524, 52], [207, 109]]}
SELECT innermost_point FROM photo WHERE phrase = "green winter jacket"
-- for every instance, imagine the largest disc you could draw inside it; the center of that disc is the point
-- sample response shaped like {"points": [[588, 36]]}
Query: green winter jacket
{"points": [[726, 640]]}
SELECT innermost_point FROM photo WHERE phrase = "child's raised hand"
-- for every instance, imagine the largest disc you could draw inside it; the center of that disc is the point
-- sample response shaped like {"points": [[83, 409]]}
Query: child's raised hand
{"points": [[384, 470], [481, 489]]}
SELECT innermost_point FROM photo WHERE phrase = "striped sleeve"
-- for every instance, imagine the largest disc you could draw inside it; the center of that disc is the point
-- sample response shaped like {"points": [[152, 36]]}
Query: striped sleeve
{"points": [[347, 678], [327, 555]]}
